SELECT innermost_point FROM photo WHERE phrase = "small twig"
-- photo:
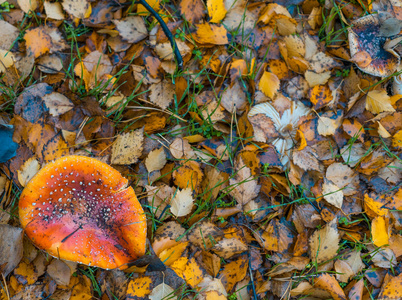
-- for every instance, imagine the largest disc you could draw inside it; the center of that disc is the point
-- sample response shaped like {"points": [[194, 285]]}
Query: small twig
{"points": [[179, 59]]}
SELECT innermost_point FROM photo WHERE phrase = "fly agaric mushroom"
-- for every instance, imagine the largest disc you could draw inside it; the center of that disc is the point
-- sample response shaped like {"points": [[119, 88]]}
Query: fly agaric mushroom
{"points": [[365, 36], [80, 209]]}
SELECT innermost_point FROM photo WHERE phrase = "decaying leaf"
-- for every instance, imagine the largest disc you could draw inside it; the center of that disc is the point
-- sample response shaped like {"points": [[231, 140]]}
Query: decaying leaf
{"points": [[128, 147]]}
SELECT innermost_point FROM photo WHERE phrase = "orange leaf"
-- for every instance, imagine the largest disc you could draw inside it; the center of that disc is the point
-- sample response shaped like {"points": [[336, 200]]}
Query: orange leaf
{"points": [[362, 59], [328, 283], [393, 289], [211, 34], [38, 42], [187, 175], [320, 96]]}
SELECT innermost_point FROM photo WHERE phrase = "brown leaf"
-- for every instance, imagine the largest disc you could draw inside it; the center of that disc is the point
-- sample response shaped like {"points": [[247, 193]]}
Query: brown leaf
{"points": [[11, 245], [245, 187]]}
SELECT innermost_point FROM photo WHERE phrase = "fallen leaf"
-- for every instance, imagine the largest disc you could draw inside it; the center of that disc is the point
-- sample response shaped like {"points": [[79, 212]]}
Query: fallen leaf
{"points": [[12, 249], [378, 101], [269, 84], [162, 94], [210, 34], [245, 187], [156, 160], [328, 283], [132, 28], [127, 147], [234, 98], [162, 291], [182, 203], [332, 194], [57, 103], [28, 171], [324, 243], [379, 231], [216, 10], [76, 8]]}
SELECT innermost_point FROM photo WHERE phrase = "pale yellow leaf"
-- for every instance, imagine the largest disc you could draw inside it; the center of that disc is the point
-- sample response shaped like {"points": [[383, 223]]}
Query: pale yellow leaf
{"points": [[332, 194], [54, 10], [182, 203], [326, 126], [324, 242], [57, 103], [127, 147], [162, 291], [378, 101], [155, 160], [162, 94], [28, 170]]}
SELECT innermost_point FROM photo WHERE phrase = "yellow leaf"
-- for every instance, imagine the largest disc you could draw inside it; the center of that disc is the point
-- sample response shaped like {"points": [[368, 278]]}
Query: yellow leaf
{"points": [[379, 232], [269, 84], [193, 273], [216, 10], [141, 10], [139, 287], [171, 254], [378, 101], [211, 34], [397, 140], [374, 206]]}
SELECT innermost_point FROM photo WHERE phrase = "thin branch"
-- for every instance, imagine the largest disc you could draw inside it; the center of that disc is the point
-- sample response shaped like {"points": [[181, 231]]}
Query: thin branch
{"points": [[179, 59]]}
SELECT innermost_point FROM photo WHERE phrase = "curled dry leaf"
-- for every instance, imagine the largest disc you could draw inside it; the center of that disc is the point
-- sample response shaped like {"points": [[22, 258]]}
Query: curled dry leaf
{"points": [[11, 247], [28, 170], [229, 247], [234, 98], [332, 194], [159, 197], [180, 148]]}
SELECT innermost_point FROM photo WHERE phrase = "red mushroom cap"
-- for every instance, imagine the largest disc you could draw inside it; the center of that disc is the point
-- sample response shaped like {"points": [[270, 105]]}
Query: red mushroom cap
{"points": [[80, 209], [365, 35]]}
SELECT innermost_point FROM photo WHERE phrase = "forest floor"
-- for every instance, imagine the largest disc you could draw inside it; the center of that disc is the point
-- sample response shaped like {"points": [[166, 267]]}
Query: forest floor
{"points": [[265, 152]]}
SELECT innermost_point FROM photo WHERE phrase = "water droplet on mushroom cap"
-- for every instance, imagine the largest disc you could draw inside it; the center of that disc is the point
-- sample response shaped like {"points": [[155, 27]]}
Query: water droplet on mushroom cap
{"points": [[86, 213]]}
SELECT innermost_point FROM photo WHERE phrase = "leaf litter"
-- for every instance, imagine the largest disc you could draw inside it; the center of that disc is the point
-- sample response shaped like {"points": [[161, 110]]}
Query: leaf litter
{"points": [[269, 166]]}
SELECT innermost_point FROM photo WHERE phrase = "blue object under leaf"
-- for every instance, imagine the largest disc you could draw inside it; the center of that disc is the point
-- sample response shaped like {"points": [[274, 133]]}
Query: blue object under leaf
{"points": [[8, 147]]}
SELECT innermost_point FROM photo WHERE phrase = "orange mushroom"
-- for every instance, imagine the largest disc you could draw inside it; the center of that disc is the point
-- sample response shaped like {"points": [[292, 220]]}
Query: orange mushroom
{"points": [[80, 209], [365, 36]]}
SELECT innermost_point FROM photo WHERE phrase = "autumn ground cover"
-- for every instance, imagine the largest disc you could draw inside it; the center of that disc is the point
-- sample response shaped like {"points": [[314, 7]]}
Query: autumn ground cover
{"points": [[268, 164]]}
